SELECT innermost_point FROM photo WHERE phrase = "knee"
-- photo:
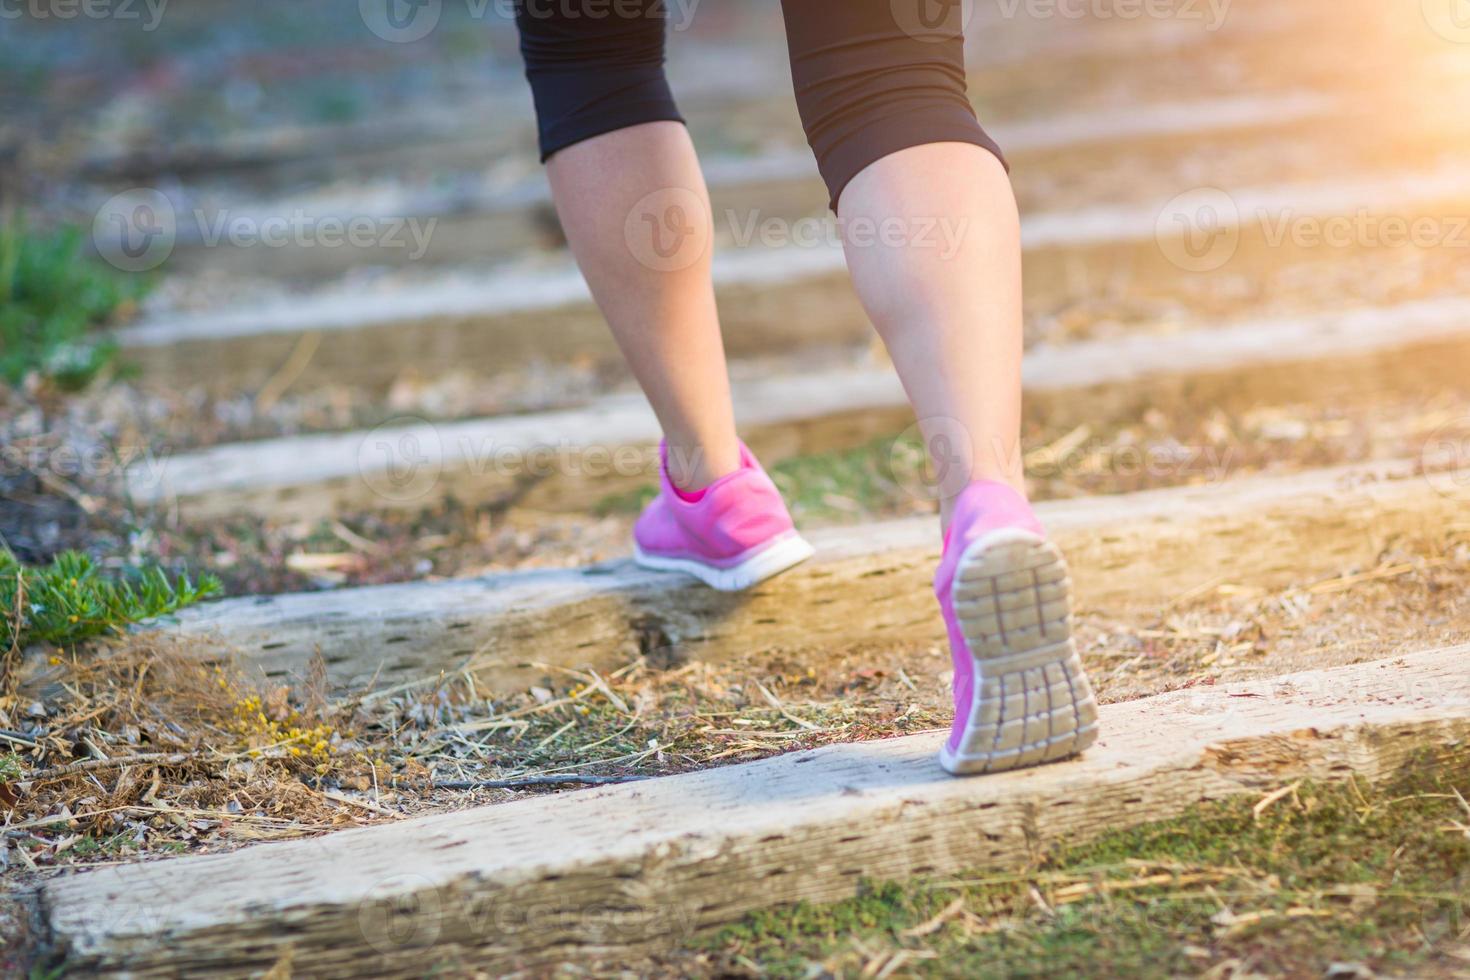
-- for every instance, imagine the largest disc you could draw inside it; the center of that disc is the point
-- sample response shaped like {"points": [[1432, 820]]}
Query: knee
{"points": [[593, 71]]}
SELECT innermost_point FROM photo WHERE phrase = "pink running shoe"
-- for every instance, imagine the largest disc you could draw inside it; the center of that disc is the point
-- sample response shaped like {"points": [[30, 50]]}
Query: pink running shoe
{"points": [[730, 535], [1020, 695]]}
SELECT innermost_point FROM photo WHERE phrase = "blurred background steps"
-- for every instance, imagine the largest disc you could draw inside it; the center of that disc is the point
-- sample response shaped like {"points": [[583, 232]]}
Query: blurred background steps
{"points": [[573, 459], [207, 92], [778, 299], [300, 108], [490, 216]]}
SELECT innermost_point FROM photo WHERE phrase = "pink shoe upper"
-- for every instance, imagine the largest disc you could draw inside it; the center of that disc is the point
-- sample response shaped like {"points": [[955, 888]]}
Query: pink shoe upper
{"points": [[736, 516], [982, 507]]}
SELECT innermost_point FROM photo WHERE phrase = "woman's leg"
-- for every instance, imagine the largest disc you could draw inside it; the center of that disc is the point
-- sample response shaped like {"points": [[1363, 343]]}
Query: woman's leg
{"points": [[945, 295], [635, 210], [932, 239], [634, 206], [633, 203], [928, 219]]}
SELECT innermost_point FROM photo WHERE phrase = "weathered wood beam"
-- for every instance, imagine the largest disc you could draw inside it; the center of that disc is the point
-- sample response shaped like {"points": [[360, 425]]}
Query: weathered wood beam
{"points": [[612, 872], [571, 459], [867, 584]]}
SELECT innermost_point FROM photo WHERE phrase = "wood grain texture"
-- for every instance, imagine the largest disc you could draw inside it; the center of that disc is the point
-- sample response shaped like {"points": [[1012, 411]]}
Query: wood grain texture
{"points": [[569, 460], [867, 584], [618, 870]]}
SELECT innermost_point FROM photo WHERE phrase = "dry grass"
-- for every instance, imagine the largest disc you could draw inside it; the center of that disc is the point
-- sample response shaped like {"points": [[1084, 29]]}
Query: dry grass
{"points": [[142, 750], [138, 748]]}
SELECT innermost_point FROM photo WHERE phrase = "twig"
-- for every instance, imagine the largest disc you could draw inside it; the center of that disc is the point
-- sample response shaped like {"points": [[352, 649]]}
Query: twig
{"points": [[1191, 594], [631, 759], [286, 375], [355, 540], [368, 805], [1272, 797], [590, 679], [935, 924], [161, 758], [87, 765], [535, 781], [88, 504], [1344, 582], [555, 735], [775, 702], [1059, 449]]}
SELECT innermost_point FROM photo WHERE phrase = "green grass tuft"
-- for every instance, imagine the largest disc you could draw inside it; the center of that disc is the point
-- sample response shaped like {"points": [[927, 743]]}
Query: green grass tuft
{"points": [[69, 600], [52, 299]]}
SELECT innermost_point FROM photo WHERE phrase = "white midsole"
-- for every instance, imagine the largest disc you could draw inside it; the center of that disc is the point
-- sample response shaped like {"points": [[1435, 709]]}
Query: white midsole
{"points": [[790, 550]]}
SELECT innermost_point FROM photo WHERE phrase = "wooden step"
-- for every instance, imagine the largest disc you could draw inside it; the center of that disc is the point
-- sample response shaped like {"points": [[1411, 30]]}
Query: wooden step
{"points": [[867, 584], [600, 874], [773, 299], [569, 460]]}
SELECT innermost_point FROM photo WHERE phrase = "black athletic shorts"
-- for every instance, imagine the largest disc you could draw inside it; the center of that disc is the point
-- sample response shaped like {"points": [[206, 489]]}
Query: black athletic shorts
{"points": [[871, 76]]}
